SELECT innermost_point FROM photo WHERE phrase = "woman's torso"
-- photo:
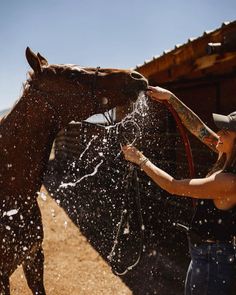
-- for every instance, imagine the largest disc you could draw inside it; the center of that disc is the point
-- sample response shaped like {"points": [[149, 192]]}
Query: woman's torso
{"points": [[209, 222], [215, 219]]}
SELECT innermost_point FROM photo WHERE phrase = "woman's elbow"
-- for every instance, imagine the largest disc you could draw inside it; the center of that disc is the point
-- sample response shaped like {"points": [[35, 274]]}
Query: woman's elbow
{"points": [[174, 188], [172, 191], [171, 187]]}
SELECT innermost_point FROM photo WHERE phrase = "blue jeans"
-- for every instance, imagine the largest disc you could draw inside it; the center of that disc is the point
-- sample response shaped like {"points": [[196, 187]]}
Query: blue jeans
{"points": [[212, 270]]}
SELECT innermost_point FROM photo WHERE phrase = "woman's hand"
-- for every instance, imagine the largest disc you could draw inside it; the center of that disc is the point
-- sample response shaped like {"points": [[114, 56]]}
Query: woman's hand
{"points": [[158, 93], [132, 154]]}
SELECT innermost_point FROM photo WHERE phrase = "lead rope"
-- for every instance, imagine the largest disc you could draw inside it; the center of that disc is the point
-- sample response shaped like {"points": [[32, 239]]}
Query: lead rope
{"points": [[186, 142], [131, 182], [137, 195], [184, 136]]}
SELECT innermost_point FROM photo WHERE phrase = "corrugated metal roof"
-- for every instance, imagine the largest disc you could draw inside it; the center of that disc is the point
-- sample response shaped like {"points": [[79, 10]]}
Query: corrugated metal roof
{"points": [[190, 40], [213, 53]]}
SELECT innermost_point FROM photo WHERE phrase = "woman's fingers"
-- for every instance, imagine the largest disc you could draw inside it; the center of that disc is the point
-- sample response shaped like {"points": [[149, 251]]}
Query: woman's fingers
{"points": [[128, 151], [124, 148], [158, 93], [152, 93], [132, 154]]}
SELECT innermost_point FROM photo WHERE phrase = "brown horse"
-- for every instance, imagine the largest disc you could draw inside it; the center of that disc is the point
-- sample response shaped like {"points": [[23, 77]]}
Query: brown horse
{"points": [[53, 96]]}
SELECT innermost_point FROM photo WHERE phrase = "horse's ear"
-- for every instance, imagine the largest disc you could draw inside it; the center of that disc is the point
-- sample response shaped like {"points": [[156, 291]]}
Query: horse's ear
{"points": [[42, 60], [33, 60]]}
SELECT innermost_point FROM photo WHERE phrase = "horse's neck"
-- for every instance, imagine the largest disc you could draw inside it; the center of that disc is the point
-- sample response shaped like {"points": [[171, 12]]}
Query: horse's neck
{"points": [[26, 138]]}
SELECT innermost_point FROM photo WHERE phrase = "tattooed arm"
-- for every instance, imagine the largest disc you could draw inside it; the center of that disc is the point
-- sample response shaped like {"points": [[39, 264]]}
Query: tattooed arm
{"points": [[190, 120], [193, 123]]}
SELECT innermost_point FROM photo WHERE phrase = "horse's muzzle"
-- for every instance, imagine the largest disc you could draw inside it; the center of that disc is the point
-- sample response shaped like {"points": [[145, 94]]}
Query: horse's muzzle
{"points": [[136, 75], [139, 80]]}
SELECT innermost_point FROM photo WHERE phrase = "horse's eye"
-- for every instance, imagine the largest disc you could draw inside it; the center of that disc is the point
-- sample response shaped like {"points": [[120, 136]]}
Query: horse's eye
{"points": [[104, 100]]}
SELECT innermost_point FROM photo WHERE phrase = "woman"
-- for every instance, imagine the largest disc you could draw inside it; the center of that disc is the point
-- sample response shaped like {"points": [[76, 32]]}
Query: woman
{"points": [[212, 232]]}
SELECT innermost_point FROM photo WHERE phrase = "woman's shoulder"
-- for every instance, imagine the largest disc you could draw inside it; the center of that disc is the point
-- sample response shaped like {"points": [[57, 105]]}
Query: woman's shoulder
{"points": [[228, 176]]}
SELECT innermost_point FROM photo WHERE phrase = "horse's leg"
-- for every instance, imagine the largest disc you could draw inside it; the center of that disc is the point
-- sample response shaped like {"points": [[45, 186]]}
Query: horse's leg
{"points": [[33, 269], [4, 285]]}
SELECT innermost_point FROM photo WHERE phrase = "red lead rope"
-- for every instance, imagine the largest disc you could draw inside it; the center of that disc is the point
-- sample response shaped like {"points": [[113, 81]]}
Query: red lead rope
{"points": [[184, 138]]}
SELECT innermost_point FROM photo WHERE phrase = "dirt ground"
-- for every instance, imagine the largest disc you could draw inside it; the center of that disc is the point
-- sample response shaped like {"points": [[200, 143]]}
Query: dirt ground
{"points": [[72, 266]]}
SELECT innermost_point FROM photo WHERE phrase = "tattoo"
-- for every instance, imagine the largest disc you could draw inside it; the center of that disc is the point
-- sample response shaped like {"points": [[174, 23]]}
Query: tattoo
{"points": [[193, 123], [208, 138], [203, 133], [189, 119]]}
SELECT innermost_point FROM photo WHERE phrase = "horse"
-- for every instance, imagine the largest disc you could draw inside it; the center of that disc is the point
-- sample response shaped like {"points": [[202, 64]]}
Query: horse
{"points": [[53, 96]]}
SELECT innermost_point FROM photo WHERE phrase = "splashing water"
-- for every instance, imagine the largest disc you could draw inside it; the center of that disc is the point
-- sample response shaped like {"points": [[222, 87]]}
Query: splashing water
{"points": [[130, 121], [10, 212], [140, 108], [96, 203], [65, 185], [87, 147]]}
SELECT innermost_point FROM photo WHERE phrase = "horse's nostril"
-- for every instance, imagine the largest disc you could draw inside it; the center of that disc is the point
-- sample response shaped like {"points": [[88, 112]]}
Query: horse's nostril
{"points": [[136, 76]]}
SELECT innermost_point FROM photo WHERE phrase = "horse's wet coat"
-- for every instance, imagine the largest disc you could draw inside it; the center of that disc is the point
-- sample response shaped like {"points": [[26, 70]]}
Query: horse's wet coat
{"points": [[53, 96]]}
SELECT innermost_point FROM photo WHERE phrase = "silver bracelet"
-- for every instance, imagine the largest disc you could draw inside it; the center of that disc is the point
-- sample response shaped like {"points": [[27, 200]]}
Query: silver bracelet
{"points": [[143, 162]]}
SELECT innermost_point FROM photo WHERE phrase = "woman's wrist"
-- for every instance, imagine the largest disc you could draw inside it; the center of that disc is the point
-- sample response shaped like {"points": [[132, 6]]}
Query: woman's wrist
{"points": [[142, 162]]}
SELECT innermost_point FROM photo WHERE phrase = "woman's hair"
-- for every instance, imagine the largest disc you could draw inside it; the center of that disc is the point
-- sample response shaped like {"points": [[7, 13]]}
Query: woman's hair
{"points": [[223, 164]]}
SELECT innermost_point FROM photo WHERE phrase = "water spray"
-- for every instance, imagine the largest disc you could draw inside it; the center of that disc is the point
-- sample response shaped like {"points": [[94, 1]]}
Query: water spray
{"points": [[128, 131]]}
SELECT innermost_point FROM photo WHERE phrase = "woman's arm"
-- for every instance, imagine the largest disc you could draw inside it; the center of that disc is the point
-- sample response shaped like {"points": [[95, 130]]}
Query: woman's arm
{"points": [[218, 186], [190, 120], [194, 124]]}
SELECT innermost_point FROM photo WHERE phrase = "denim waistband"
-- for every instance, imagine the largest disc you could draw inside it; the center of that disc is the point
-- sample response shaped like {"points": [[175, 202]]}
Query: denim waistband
{"points": [[196, 239]]}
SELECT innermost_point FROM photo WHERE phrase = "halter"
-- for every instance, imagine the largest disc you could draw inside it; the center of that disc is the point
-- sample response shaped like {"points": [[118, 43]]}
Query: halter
{"points": [[94, 88], [107, 116], [94, 84]]}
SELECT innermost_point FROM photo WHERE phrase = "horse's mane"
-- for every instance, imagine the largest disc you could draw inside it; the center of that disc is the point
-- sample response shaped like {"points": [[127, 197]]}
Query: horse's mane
{"points": [[24, 91]]}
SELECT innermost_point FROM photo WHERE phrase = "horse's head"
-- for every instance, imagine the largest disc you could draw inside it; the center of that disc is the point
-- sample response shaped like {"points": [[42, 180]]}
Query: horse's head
{"points": [[78, 93]]}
